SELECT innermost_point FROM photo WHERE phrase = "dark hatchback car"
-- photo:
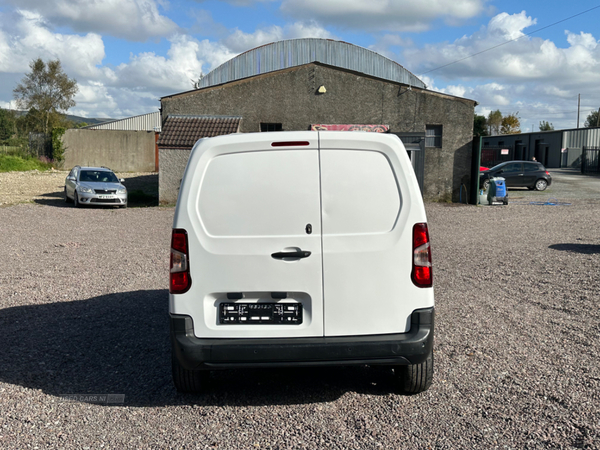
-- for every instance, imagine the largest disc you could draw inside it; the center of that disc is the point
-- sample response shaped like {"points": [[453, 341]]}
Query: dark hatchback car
{"points": [[529, 174]]}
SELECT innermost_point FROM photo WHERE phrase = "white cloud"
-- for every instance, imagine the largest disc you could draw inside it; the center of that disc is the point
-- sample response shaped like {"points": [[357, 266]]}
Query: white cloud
{"points": [[517, 59], [505, 27], [531, 75], [184, 62], [138, 83], [244, 2], [383, 15], [93, 100], [386, 45], [585, 40], [136, 20], [239, 42], [488, 54], [26, 37]]}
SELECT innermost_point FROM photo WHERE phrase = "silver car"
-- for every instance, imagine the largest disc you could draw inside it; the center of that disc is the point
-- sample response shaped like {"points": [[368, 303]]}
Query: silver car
{"points": [[95, 186]]}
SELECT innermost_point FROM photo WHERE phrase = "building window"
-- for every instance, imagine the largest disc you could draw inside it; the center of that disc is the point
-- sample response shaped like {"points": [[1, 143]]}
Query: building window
{"points": [[270, 127], [433, 136]]}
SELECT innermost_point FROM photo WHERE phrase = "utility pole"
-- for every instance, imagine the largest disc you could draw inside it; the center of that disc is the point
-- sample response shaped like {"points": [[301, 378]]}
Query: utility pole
{"points": [[578, 105], [598, 120]]}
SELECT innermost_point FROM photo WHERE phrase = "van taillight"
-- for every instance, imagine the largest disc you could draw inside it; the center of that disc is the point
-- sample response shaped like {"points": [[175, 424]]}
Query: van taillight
{"points": [[421, 266], [179, 279]]}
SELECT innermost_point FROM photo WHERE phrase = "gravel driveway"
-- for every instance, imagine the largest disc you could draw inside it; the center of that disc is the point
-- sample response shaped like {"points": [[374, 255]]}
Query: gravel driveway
{"points": [[83, 312]]}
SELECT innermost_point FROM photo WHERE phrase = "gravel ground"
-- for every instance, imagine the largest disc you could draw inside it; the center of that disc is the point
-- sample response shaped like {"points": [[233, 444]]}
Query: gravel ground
{"points": [[83, 311]]}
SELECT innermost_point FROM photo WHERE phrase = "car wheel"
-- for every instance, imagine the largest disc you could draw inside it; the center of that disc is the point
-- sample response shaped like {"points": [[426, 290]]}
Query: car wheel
{"points": [[414, 378], [486, 184], [67, 199], [541, 184], [188, 381], [76, 200]]}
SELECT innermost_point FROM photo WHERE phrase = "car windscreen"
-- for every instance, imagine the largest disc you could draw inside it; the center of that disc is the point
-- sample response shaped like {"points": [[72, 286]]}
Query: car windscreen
{"points": [[98, 176]]}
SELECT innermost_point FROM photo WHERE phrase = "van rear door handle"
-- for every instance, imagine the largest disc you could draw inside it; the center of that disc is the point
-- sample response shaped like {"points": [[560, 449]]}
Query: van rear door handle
{"points": [[297, 254]]}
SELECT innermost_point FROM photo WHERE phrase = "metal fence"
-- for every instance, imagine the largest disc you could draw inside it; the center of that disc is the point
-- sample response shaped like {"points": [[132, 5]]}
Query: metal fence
{"points": [[40, 144], [590, 163], [491, 156], [8, 149]]}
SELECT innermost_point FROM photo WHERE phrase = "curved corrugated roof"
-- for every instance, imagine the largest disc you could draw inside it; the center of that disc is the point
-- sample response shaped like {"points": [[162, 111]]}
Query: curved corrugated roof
{"points": [[296, 52]]}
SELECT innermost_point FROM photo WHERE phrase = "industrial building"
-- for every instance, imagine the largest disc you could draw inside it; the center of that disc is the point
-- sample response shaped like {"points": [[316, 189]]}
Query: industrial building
{"points": [[554, 149], [305, 84]]}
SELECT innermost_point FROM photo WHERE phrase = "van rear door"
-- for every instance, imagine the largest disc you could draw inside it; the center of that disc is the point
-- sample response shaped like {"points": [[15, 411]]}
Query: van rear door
{"points": [[370, 202], [253, 204]]}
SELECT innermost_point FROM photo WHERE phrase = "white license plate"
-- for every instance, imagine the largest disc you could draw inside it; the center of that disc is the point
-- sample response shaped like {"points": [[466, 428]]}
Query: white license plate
{"points": [[106, 196]]}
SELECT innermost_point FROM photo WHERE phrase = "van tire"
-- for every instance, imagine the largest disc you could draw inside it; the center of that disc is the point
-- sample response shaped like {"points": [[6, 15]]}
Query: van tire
{"points": [[188, 381], [414, 378]]}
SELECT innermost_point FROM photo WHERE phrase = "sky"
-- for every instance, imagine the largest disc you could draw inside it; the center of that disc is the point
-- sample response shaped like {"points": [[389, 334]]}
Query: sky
{"points": [[529, 58]]}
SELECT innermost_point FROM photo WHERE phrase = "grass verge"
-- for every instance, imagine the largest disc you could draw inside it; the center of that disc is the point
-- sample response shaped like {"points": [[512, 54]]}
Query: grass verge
{"points": [[11, 163]]}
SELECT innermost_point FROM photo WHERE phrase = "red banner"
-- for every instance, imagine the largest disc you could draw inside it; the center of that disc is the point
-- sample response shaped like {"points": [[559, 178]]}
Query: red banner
{"points": [[341, 127]]}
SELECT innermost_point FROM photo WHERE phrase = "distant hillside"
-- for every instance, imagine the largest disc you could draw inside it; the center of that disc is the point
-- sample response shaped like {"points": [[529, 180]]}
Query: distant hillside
{"points": [[88, 120], [76, 119]]}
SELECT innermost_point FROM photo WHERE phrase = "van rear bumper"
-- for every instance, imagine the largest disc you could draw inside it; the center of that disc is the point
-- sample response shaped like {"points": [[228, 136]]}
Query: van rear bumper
{"points": [[391, 349]]}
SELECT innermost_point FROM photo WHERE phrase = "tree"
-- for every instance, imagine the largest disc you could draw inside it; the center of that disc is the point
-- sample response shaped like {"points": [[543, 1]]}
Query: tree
{"points": [[592, 120], [479, 126], [197, 83], [8, 124], [494, 122], [48, 91], [511, 124], [546, 126]]}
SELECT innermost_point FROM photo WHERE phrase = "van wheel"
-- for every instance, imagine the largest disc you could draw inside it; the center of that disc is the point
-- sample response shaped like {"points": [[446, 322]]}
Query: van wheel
{"points": [[76, 200], [188, 381], [67, 199], [414, 378]]}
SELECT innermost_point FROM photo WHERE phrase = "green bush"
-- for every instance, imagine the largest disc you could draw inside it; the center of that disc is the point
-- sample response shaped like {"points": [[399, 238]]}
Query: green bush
{"points": [[58, 151], [12, 163]]}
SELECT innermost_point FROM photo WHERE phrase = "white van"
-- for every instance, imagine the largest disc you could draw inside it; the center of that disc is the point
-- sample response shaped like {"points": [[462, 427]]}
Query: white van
{"points": [[300, 249]]}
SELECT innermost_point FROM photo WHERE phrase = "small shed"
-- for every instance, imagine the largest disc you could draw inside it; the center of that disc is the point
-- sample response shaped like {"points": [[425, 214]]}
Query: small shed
{"points": [[178, 136]]}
